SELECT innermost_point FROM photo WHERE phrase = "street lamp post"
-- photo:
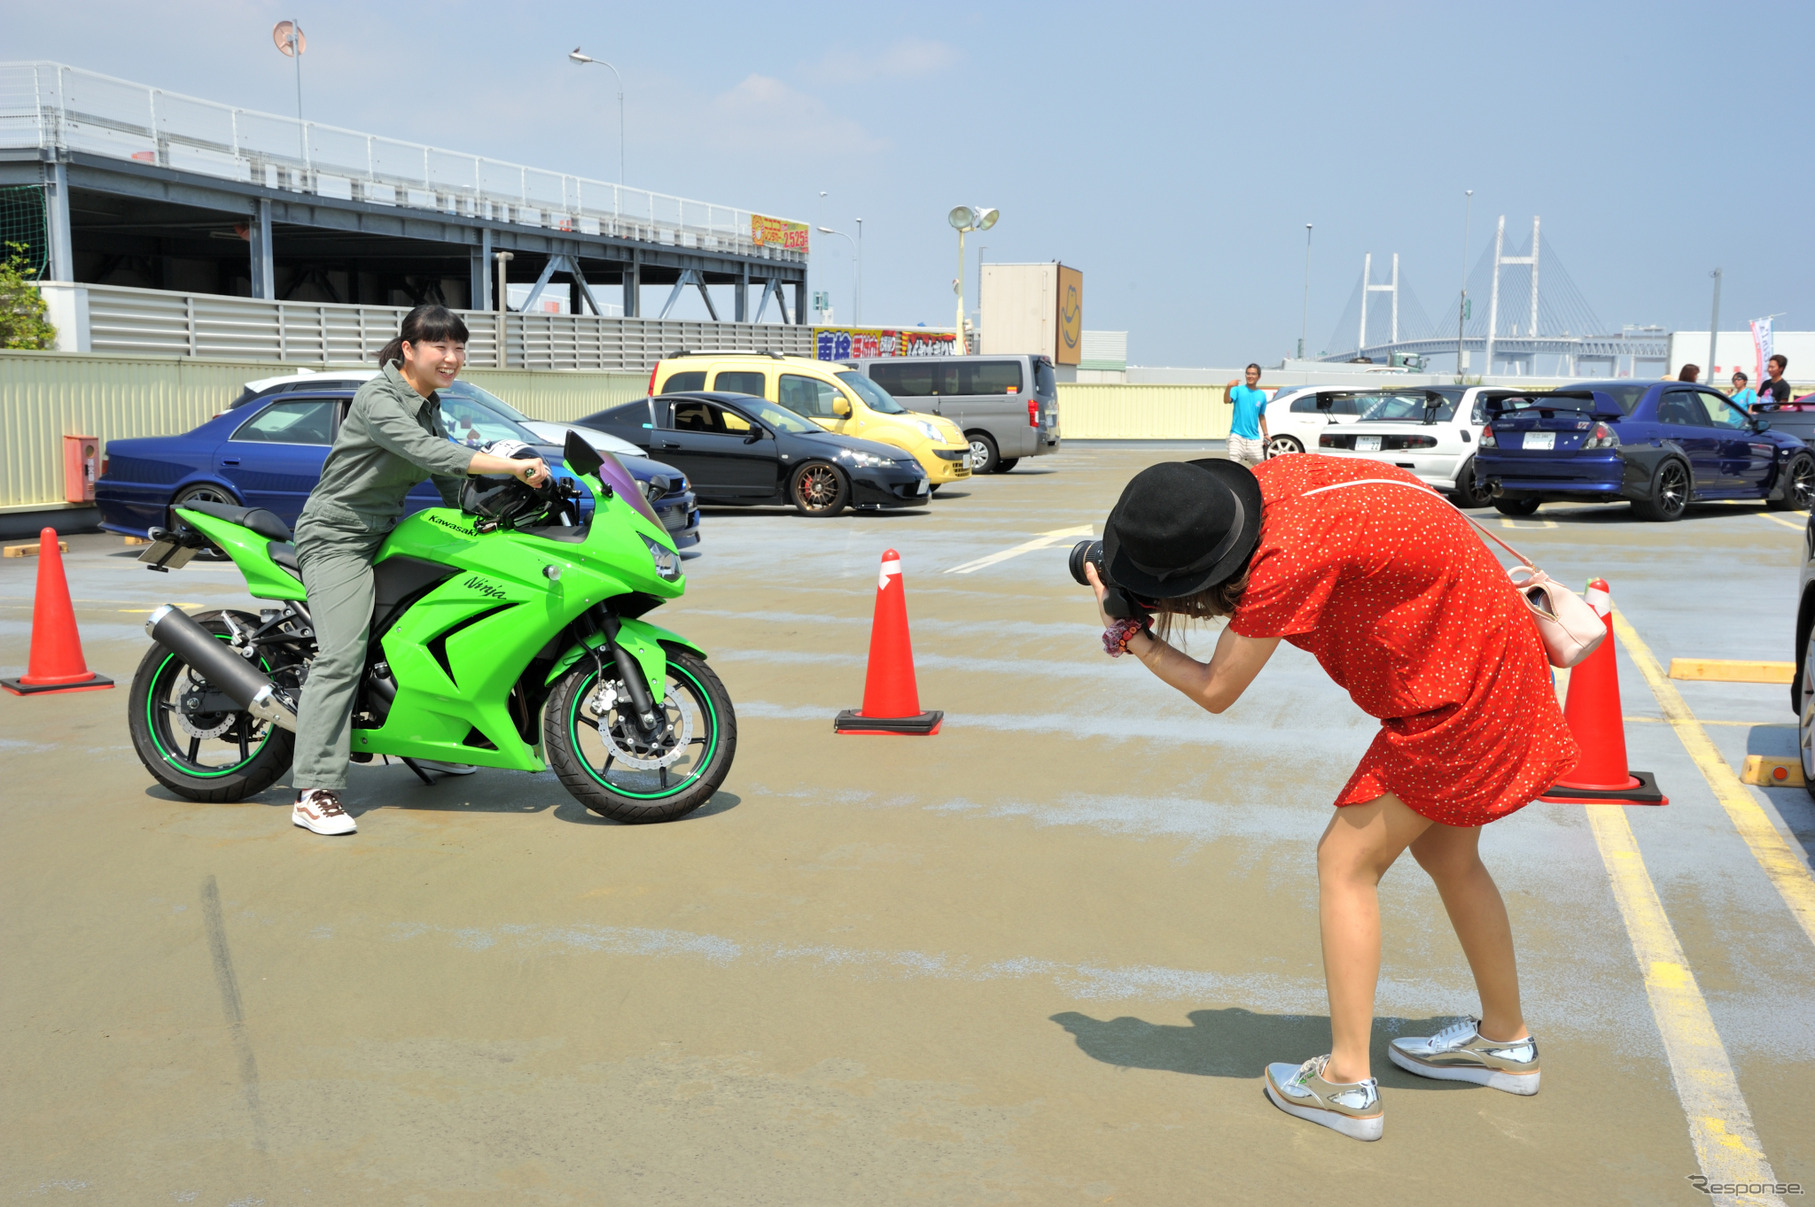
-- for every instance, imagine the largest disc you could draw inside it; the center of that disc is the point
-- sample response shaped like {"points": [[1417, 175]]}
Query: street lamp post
{"points": [[1304, 326], [577, 57], [1468, 204], [856, 272], [967, 218], [857, 316], [1714, 326]]}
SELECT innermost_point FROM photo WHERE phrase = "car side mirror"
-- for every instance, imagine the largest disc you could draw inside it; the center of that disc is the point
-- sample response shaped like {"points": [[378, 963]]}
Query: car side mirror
{"points": [[841, 409], [1760, 423], [754, 434]]}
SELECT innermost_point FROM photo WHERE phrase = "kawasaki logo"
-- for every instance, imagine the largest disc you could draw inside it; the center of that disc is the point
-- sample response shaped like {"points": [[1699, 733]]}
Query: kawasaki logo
{"points": [[462, 529], [484, 587]]}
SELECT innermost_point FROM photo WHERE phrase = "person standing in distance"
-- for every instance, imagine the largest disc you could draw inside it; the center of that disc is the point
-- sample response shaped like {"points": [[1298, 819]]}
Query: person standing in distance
{"points": [[1774, 388], [1743, 395], [1248, 426], [391, 439]]}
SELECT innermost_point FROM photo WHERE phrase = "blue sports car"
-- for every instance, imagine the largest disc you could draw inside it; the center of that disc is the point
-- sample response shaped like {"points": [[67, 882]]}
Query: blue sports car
{"points": [[1660, 445], [269, 452]]}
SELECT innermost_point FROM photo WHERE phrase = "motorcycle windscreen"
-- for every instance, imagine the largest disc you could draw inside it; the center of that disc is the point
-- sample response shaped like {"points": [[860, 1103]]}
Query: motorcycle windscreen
{"points": [[624, 484]]}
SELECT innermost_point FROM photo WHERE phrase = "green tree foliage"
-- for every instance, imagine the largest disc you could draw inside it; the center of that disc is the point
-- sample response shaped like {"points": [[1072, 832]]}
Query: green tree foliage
{"points": [[22, 321]]}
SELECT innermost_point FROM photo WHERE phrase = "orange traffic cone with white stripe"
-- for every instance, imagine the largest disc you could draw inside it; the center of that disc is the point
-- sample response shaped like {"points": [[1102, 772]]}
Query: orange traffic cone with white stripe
{"points": [[891, 700], [56, 663], [1593, 712]]}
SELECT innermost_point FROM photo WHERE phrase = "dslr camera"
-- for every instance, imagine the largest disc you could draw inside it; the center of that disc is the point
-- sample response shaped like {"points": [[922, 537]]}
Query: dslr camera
{"points": [[1120, 604]]}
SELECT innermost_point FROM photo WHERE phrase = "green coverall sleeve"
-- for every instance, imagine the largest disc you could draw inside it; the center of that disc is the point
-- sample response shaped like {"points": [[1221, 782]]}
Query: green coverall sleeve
{"points": [[398, 433], [449, 488]]}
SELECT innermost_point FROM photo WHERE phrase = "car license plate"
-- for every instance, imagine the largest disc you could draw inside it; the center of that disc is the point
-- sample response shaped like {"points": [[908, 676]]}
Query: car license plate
{"points": [[921, 487], [1539, 440], [1367, 444]]}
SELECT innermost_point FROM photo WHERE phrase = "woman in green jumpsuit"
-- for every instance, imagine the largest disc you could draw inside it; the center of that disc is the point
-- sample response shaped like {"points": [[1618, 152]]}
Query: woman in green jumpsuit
{"points": [[391, 440]]}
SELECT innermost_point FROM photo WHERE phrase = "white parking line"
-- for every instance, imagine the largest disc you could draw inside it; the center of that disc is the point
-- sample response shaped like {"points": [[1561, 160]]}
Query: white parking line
{"points": [[1044, 541], [1528, 524]]}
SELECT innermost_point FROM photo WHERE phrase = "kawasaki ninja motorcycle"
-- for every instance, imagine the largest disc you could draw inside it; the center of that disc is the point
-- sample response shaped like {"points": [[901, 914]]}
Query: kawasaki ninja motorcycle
{"points": [[508, 633]]}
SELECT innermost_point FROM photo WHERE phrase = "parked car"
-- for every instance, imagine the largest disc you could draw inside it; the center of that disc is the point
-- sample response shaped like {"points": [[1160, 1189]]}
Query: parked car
{"points": [[1007, 406], [1802, 685], [269, 453], [1793, 418], [1434, 431], [1660, 445], [835, 398], [741, 449], [1298, 415], [546, 432]]}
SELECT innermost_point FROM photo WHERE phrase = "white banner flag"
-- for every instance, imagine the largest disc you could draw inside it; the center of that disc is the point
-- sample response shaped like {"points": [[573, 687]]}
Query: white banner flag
{"points": [[1761, 342]]}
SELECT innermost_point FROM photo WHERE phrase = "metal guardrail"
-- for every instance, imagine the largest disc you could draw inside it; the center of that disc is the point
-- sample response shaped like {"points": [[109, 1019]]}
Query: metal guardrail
{"points": [[51, 106], [154, 322]]}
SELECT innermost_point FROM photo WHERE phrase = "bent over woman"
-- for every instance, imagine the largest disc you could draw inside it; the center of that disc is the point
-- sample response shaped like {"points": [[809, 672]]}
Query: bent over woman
{"points": [[391, 440], [1389, 588]]}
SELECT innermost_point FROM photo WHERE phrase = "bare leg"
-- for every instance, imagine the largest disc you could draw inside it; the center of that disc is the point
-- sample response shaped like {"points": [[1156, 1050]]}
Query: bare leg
{"points": [[1359, 845], [1452, 857]]}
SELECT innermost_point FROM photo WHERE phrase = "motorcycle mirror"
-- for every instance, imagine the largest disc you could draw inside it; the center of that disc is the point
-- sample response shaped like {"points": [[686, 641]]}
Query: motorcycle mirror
{"points": [[581, 456]]}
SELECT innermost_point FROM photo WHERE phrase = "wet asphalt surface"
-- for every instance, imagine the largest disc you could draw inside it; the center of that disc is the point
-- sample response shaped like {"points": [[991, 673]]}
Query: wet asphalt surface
{"points": [[1040, 957]]}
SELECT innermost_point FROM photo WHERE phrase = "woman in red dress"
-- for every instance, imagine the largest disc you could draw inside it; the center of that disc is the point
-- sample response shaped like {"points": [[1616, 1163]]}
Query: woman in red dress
{"points": [[1386, 584]]}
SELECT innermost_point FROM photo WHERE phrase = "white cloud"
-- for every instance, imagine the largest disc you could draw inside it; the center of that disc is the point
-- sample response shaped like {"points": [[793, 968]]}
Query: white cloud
{"points": [[762, 109], [908, 59]]}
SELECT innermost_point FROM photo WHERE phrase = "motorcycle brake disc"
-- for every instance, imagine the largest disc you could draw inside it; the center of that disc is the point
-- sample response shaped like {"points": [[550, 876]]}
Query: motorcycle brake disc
{"points": [[627, 744], [189, 718]]}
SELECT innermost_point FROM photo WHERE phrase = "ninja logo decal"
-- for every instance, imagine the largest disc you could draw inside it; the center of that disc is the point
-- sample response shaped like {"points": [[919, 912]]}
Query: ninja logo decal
{"points": [[484, 587]]}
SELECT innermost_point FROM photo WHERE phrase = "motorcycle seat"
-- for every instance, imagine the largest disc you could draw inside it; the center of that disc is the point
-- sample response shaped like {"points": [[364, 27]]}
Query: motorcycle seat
{"points": [[260, 520], [284, 554]]}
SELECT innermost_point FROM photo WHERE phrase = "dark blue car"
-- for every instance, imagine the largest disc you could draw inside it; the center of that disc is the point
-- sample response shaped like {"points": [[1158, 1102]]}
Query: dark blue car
{"points": [[1659, 445], [269, 453]]}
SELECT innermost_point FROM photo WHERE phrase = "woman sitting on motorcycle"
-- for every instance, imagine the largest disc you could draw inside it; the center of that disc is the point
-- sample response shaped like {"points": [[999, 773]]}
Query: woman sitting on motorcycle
{"points": [[391, 440]]}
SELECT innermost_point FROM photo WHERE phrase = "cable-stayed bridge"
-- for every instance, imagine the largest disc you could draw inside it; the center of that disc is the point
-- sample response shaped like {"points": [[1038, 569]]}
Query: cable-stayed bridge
{"points": [[1520, 304]]}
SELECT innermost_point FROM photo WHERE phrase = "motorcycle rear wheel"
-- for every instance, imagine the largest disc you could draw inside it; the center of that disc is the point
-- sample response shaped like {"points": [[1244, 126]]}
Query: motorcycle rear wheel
{"points": [[244, 758], [695, 703]]}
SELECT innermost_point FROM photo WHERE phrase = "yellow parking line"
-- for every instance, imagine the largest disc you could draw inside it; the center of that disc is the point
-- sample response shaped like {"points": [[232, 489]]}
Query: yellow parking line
{"points": [[1765, 515], [1786, 869], [1528, 524], [1044, 541], [1720, 1123]]}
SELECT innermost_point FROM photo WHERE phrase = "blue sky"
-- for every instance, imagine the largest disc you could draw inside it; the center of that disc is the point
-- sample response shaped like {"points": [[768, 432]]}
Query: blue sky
{"points": [[1171, 153]]}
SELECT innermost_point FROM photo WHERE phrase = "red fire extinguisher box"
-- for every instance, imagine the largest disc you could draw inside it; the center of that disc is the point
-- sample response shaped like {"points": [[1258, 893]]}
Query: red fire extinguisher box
{"points": [[81, 464]]}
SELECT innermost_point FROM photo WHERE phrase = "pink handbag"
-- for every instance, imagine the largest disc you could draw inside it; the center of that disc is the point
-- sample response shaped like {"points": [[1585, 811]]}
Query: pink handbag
{"points": [[1568, 626]]}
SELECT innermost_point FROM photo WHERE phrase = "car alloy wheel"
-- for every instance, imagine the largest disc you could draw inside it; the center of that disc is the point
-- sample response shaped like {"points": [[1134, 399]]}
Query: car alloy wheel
{"points": [[818, 489], [1471, 491], [1280, 446], [1670, 493], [982, 454], [1805, 721], [1800, 491], [203, 494]]}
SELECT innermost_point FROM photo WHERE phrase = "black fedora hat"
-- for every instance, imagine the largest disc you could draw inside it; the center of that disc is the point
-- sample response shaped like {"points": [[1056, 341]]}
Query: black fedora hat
{"points": [[1182, 526]]}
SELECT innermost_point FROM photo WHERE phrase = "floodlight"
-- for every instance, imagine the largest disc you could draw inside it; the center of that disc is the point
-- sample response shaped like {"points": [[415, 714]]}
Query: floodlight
{"points": [[986, 218], [963, 217]]}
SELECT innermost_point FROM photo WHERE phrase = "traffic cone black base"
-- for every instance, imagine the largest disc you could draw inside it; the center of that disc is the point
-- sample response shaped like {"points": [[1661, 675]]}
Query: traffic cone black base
{"points": [[852, 721], [1645, 792], [98, 683]]}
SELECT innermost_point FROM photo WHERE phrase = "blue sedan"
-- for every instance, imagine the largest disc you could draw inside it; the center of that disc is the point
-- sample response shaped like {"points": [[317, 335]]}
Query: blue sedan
{"points": [[269, 453], [1659, 445]]}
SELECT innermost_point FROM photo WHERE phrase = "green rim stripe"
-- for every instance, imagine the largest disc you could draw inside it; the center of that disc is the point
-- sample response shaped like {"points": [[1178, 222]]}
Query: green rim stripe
{"points": [[705, 699], [183, 765]]}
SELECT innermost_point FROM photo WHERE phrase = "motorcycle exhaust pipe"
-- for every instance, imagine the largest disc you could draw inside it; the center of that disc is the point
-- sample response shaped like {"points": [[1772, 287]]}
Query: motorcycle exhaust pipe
{"points": [[237, 679]]}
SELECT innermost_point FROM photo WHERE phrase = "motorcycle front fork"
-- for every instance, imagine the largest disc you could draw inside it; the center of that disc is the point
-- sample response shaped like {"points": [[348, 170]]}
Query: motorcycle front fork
{"points": [[630, 671]]}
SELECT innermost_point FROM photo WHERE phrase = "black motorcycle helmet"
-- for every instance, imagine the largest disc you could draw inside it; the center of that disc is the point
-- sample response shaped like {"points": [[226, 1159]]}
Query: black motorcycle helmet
{"points": [[499, 500]]}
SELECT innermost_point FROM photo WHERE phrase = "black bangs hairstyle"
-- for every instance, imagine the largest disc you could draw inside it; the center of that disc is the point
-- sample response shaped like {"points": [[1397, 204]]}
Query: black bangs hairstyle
{"points": [[424, 324]]}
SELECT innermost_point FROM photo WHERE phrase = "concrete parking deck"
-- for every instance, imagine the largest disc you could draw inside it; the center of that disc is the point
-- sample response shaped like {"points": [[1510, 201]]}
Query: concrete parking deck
{"points": [[1040, 957]]}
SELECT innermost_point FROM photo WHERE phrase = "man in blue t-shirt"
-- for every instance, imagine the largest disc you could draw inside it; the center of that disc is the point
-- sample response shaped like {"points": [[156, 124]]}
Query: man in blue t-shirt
{"points": [[1248, 426]]}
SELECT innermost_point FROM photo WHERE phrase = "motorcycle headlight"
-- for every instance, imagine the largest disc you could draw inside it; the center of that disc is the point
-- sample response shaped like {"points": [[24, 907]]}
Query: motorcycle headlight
{"points": [[667, 561]]}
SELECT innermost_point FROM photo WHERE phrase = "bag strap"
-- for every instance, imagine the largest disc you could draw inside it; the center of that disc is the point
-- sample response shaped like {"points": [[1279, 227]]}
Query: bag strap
{"points": [[1525, 561]]}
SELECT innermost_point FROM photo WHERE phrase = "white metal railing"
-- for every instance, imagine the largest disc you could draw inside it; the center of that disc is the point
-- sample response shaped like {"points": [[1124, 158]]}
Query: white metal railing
{"points": [[56, 107], [155, 322]]}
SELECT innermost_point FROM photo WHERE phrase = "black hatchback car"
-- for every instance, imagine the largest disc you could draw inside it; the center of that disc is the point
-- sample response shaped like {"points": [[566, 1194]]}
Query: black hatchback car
{"points": [[740, 449]]}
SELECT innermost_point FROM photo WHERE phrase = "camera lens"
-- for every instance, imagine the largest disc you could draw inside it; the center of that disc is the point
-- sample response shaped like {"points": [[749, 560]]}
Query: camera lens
{"points": [[1087, 551]]}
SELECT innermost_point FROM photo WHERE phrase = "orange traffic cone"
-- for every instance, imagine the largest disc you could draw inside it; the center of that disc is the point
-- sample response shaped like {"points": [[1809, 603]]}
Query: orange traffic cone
{"points": [[1594, 716], [891, 702], [56, 658]]}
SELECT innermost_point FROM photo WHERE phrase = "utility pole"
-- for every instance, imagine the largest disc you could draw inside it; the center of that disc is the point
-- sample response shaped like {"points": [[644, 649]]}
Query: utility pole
{"points": [[1462, 302], [857, 314], [1713, 325], [1304, 325]]}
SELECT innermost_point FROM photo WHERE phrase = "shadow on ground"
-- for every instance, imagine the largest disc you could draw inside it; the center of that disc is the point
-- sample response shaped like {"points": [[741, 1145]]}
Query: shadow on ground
{"points": [[1236, 1043]]}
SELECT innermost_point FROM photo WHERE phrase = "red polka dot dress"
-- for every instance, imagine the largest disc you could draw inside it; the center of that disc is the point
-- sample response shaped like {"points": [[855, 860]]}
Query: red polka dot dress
{"points": [[1402, 604]]}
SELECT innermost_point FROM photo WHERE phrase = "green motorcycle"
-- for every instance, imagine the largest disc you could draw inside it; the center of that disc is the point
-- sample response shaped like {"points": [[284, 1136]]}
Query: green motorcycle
{"points": [[508, 633]]}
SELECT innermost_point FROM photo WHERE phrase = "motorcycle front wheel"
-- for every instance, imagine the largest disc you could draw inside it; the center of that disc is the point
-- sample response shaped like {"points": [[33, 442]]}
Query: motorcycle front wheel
{"points": [[609, 765]]}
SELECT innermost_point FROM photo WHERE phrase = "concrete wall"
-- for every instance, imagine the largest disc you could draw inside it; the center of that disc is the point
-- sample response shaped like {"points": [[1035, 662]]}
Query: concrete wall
{"points": [[1104, 411], [47, 395]]}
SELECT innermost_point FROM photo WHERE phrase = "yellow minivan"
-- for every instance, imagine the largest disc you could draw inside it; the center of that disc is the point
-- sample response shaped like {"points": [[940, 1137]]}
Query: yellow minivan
{"points": [[838, 399]]}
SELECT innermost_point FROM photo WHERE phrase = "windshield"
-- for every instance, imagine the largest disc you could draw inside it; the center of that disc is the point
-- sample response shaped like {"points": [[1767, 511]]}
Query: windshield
{"points": [[467, 389], [873, 394], [779, 418], [1412, 407], [477, 421]]}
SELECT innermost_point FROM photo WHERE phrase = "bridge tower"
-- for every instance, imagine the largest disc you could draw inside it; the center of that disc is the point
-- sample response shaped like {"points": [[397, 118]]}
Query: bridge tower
{"points": [[1367, 287], [1493, 302]]}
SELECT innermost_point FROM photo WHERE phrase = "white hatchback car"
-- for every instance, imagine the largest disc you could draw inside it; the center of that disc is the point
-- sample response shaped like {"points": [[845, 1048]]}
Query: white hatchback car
{"points": [[1431, 430], [1298, 415]]}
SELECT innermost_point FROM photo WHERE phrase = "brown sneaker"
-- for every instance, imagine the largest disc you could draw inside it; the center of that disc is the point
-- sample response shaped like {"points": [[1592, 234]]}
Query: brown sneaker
{"points": [[1352, 1108], [1460, 1052], [318, 811]]}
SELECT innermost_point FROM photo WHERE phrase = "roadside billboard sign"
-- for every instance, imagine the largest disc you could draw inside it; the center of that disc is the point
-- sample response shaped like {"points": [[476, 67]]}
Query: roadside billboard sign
{"points": [[778, 232], [852, 343], [1070, 348]]}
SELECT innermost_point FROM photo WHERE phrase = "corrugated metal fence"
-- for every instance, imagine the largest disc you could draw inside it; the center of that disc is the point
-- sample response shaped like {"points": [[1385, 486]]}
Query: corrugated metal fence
{"points": [[47, 395]]}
